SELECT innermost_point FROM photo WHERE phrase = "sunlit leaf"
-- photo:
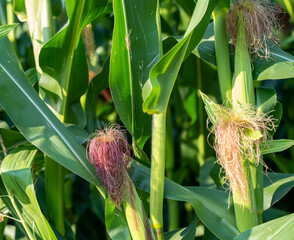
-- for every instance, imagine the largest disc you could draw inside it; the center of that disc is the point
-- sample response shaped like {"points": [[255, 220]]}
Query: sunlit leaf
{"points": [[281, 228], [158, 88], [18, 180], [277, 185], [63, 61], [43, 130], [135, 48], [276, 146], [211, 206]]}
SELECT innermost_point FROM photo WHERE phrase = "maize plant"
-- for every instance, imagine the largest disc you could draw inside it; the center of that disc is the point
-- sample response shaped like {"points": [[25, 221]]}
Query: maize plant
{"points": [[146, 119]]}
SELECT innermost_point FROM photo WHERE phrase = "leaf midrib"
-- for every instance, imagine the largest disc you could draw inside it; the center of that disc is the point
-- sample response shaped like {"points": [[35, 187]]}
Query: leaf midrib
{"points": [[48, 121]]}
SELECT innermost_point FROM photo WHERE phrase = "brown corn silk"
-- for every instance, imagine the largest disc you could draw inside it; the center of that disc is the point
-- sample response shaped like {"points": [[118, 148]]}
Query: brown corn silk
{"points": [[238, 134], [109, 152], [258, 22]]}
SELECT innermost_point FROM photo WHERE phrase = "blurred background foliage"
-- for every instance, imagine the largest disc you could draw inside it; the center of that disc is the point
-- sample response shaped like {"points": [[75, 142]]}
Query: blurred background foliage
{"points": [[190, 159]]}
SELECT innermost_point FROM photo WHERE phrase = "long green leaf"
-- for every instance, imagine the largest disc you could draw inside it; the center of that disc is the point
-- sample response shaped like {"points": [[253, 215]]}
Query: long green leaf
{"points": [[274, 146], [64, 64], [158, 88], [211, 206], [11, 138], [116, 223], [277, 185], [279, 66], [281, 228], [17, 178], [35, 121], [187, 233], [135, 48], [4, 30], [266, 99]]}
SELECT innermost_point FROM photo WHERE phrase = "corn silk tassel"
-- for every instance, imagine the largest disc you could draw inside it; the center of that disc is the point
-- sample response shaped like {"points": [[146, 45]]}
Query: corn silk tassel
{"points": [[109, 153]]}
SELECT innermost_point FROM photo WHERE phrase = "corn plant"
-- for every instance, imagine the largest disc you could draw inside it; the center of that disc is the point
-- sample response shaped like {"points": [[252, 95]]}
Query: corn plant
{"points": [[102, 119]]}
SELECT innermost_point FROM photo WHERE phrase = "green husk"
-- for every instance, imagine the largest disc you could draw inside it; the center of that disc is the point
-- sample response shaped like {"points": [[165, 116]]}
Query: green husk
{"points": [[135, 214]]}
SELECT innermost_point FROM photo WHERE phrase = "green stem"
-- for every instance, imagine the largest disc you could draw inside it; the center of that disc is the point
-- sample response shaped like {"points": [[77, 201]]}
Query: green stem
{"points": [[173, 208], [10, 20], [158, 156], [201, 138], [54, 188], [157, 173], [222, 53]]}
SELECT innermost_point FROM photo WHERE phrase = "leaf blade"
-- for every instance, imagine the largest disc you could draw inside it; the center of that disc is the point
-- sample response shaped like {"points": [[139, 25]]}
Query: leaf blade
{"points": [[44, 131]]}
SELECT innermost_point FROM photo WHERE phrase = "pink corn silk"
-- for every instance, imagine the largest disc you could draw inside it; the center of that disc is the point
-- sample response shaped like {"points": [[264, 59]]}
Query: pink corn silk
{"points": [[109, 152]]}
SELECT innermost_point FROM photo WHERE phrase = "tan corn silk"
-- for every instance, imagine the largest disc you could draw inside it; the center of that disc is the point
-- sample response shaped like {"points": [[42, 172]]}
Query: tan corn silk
{"points": [[238, 134]]}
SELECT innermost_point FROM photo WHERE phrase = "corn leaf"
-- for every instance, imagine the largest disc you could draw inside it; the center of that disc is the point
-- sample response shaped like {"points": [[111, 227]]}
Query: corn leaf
{"points": [[277, 185], [19, 8], [17, 178], [4, 30], [213, 110], [158, 88], [266, 99], [50, 136], [274, 146], [278, 66], [187, 233], [135, 48], [64, 64], [210, 205], [11, 138], [116, 223], [281, 228], [266, 102], [43, 130]]}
